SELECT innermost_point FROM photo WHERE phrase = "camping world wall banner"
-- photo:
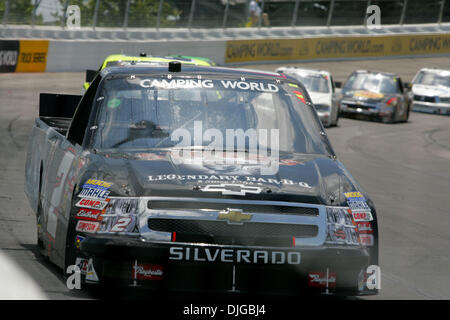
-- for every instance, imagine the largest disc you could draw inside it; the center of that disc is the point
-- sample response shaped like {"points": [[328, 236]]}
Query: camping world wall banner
{"points": [[23, 55], [336, 47]]}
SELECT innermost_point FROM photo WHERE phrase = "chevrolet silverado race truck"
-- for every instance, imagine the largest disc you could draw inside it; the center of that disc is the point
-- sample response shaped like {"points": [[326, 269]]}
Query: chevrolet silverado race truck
{"points": [[206, 179]]}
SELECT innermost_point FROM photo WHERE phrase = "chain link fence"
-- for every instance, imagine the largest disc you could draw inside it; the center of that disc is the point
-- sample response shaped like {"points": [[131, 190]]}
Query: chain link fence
{"points": [[219, 13]]}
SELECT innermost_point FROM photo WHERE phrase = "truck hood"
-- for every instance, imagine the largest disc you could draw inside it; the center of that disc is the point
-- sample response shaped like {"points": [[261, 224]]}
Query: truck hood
{"points": [[431, 91], [316, 179]]}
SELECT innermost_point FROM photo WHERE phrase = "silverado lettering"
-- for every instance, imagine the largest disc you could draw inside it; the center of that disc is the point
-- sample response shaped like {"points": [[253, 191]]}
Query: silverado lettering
{"points": [[235, 255]]}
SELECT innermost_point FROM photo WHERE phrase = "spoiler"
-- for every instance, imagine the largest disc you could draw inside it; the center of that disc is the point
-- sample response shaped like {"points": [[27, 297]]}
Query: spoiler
{"points": [[58, 105]]}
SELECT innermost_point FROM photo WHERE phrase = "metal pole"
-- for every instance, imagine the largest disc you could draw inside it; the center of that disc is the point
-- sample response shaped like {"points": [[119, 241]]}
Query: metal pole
{"points": [[294, 15], [191, 14], [158, 19], [5, 14], [330, 13], [225, 15], [97, 4], [402, 18], [369, 2], [441, 11], [261, 14], [63, 21], [33, 13], [125, 17]]}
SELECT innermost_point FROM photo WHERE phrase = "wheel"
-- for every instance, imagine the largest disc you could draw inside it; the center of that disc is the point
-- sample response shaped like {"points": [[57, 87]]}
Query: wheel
{"points": [[407, 114], [40, 243], [337, 118]]}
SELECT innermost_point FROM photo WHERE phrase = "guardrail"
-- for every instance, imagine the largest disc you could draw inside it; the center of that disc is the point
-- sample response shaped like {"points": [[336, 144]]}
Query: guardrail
{"points": [[158, 14]]}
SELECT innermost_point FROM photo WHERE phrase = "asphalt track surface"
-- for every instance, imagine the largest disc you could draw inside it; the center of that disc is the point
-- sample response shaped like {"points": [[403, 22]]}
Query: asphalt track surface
{"points": [[404, 168]]}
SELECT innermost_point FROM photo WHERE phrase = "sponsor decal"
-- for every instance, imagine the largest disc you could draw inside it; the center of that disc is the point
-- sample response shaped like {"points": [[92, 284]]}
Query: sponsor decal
{"points": [[366, 239], [358, 205], [231, 178], [9, 53], [88, 214], [231, 189], [234, 216], [321, 280], [368, 94], [78, 241], [331, 47], [94, 193], [364, 227], [354, 196], [199, 83], [145, 271], [92, 204], [300, 96], [113, 103], [93, 183], [87, 226], [243, 256], [82, 264], [91, 275], [32, 56], [362, 216]]}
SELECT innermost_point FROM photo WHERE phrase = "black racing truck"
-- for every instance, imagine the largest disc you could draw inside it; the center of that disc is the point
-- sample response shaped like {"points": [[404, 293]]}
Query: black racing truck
{"points": [[203, 179]]}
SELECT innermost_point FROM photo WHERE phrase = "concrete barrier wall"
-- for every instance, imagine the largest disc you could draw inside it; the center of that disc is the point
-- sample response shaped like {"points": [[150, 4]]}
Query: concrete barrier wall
{"points": [[68, 55], [342, 47], [56, 55]]}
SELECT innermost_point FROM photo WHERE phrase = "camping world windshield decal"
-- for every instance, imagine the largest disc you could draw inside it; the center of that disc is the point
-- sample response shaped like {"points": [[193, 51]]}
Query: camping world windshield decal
{"points": [[208, 84]]}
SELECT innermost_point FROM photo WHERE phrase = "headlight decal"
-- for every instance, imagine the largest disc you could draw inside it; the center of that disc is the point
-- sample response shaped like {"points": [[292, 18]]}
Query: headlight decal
{"points": [[342, 228], [121, 216]]}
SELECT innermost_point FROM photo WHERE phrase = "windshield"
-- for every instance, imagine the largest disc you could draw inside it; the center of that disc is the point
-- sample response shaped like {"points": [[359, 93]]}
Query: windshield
{"points": [[371, 82], [432, 79], [145, 113], [313, 82]]}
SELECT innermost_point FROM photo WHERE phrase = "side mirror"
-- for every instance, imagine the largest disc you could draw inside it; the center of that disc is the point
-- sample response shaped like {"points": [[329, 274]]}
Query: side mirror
{"points": [[338, 84], [408, 85]]}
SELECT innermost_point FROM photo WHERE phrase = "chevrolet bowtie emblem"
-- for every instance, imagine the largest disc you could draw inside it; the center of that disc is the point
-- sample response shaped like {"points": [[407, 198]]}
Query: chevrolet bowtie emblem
{"points": [[234, 216]]}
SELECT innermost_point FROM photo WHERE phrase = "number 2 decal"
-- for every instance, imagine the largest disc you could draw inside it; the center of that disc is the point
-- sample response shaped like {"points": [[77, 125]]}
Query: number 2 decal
{"points": [[121, 224]]}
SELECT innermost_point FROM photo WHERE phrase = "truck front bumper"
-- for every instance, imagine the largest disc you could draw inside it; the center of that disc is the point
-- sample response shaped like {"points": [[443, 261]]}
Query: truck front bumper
{"points": [[174, 266]]}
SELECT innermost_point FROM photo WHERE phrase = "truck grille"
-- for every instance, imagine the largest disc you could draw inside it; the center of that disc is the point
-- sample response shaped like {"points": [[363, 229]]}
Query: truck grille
{"points": [[362, 106], [424, 98], [221, 232], [249, 208], [227, 221]]}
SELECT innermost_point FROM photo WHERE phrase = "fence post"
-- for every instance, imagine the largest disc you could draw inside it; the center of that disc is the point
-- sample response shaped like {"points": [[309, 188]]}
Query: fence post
{"points": [[158, 18], [33, 13], [402, 17], [5, 14], [294, 15], [64, 17], [125, 17], [330, 13], [225, 15], [191, 14], [261, 15], [97, 4], [441, 11]]}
